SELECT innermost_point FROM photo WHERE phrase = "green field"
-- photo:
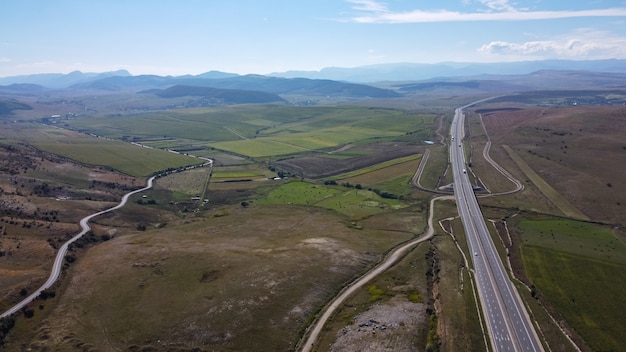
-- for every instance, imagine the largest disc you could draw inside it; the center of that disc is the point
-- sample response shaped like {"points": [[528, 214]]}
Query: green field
{"points": [[579, 268], [124, 157], [575, 237], [356, 203], [259, 130]]}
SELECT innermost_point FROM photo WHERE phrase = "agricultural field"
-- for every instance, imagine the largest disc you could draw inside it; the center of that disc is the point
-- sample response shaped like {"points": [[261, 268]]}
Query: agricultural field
{"points": [[259, 131], [353, 202], [124, 157], [347, 159], [577, 270]]}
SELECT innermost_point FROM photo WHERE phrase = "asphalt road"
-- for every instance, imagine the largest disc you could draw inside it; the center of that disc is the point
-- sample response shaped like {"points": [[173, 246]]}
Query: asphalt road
{"points": [[508, 322]]}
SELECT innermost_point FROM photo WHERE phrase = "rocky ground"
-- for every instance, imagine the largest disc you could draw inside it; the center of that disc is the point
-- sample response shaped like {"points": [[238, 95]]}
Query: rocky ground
{"points": [[388, 326]]}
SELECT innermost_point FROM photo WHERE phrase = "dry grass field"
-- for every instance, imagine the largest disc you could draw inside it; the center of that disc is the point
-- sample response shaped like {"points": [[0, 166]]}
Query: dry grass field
{"points": [[579, 151], [43, 197], [213, 282]]}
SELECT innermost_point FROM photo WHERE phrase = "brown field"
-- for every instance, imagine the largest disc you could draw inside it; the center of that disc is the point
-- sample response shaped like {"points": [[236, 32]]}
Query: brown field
{"points": [[579, 151], [212, 282], [377, 176], [357, 157]]}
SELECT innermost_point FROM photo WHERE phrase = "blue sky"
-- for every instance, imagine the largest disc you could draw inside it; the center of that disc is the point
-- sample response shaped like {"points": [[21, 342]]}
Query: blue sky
{"points": [[168, 37]]}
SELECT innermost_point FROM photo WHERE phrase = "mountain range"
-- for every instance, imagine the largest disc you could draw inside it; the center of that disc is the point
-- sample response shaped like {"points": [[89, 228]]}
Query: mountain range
{"points": [[417, 71], [360, 74], [386, 81]]}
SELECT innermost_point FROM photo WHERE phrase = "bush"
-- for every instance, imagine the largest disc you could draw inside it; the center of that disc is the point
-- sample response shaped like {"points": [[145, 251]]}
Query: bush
{"points": [[47, 293], [6, 324], [29, 312]]}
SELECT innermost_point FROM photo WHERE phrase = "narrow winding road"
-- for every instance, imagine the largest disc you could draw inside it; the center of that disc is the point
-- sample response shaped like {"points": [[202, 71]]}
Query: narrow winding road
{"points": [[391, 259], [58, 261]]}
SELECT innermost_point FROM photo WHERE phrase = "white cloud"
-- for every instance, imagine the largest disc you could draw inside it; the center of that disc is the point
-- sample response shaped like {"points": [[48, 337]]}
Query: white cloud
{"points": [[498, 5], [368, 6], [583, 44], [494, 10]]}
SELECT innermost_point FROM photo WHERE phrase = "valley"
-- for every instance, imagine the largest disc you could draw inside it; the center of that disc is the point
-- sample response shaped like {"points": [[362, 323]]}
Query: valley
{"points": [[301, 201]]}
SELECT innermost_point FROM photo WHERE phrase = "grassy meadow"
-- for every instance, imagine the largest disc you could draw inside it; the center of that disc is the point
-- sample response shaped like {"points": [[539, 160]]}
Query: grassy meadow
{"points": [[355, 203], [210, 282], [578, 268]]}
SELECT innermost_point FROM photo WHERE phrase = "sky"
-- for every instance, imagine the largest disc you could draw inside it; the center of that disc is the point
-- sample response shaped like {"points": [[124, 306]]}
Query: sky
{"points": [[177, 37]]}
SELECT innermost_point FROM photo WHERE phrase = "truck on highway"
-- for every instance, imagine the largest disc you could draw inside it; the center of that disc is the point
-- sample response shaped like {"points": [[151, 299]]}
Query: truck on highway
{"points": [[464, 171]]}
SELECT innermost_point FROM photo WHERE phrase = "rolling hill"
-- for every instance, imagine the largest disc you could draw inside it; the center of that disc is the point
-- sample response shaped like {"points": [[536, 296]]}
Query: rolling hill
{"points": [[224, 96]]}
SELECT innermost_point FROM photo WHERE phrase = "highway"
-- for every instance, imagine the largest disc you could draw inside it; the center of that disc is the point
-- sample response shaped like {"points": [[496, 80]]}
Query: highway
{"points": [[508, 323]]}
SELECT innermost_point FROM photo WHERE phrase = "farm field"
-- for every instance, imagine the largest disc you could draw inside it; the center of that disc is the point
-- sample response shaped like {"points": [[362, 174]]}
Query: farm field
{"points": [[261, 130], [577, 269], [355, 203], [124, 157]]}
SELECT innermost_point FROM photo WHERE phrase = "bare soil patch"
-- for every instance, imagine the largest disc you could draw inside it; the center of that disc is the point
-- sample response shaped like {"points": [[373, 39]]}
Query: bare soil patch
{"points": [[365, 155], [388, 326]]}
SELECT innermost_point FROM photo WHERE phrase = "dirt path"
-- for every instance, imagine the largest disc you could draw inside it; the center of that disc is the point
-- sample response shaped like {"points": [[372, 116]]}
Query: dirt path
{"points": [[391, 259]]}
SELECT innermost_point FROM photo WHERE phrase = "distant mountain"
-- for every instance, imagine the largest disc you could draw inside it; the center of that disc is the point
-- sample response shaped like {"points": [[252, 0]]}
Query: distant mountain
{"points": [[22, 87], [344, 82], [59, 80], [215, 75], [302, 86], [222, 96], [119, 83], [414, 71], [274, 85]]}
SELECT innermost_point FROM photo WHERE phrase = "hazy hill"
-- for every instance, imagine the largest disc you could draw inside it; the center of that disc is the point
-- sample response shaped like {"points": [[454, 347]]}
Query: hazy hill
{"points": [[415, 71], [227, 96], [274, 85], [7, 106], [302, 86], [59, 80], [21, 88]]}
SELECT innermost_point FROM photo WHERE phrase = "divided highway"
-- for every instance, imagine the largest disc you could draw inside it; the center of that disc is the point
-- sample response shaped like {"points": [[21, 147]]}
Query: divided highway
{"points": [[508, 322]]}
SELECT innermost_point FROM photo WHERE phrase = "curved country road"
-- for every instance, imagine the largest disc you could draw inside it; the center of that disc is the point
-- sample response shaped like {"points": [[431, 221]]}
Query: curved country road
{"points": [[58, 261], [386, 264]]}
